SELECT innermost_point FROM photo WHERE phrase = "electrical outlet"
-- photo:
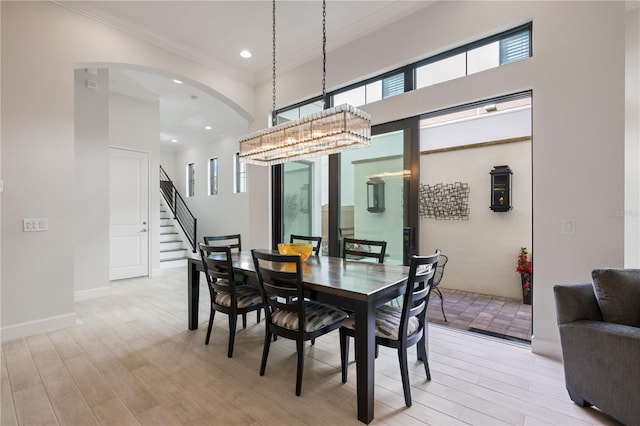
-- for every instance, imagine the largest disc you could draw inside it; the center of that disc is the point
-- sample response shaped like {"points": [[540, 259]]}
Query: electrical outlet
{"points": [[569, 226], [34, 225]]}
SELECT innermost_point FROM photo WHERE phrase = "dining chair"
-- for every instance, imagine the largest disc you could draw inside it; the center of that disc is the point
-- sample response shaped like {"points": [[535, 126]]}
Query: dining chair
{"points": [[232, 240], [403, 327], [315, 241], [437, 277], [227, 295], [287, 312], [353, 248]]}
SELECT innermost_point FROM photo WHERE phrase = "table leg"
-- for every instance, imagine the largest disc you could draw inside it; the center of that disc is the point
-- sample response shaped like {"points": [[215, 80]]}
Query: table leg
{"points": [[365, 342], [193, 290]]}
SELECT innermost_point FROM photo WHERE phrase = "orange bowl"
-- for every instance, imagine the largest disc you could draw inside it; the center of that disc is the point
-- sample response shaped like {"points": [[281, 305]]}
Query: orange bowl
{"points": [[303, 249]]}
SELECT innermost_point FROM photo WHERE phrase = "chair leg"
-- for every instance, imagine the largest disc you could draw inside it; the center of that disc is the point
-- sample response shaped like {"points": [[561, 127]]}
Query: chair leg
{"points": [[244, 320], [300, 347], [344, 354], [423, 353], [233, 319], [258, 315], [265, 351], [441, 303], [211, 315], [404, 372], [426, 368]]}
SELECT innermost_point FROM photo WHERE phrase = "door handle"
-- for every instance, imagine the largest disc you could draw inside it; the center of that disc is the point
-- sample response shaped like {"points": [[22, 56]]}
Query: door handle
{"points": [[144, 230]]}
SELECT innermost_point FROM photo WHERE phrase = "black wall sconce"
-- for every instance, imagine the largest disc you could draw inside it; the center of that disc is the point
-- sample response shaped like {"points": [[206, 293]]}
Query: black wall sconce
{"points": [[375, 195], [500, 188]]}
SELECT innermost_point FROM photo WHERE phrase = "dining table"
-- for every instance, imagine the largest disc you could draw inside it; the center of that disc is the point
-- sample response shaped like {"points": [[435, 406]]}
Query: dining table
{"points": [[356, 286]]}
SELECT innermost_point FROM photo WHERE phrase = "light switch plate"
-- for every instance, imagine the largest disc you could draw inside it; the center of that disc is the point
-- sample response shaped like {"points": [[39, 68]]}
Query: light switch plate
{"points": [[34, 225]]}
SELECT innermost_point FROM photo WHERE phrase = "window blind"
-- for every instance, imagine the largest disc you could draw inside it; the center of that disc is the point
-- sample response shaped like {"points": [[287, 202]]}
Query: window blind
{"points": [[514, 48], [393, 85]]}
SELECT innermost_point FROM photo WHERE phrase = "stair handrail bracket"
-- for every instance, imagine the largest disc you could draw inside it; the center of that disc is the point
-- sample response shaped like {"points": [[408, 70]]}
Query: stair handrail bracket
{"points": [[179, 209]]}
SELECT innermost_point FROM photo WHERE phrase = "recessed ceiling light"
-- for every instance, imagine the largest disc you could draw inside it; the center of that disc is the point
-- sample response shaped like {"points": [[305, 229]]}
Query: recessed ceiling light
{"points": [[208, 127], [174, 140], [176, 81], [245, 54]]}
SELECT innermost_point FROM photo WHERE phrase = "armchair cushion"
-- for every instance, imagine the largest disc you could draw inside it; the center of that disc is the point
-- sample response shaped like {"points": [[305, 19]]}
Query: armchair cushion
{"points": [[618, 294]]}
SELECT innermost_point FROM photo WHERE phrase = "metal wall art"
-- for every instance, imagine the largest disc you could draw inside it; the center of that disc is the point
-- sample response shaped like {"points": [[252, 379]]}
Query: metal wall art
{"points": [[444, 201]]}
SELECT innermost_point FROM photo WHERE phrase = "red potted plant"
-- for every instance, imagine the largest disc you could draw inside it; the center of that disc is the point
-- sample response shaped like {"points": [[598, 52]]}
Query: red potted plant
{"points": [[525, 268]]}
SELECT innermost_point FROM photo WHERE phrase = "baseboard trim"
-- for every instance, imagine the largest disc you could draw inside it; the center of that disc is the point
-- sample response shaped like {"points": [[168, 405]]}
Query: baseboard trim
{"points": [[36, 327], [91, 293], [546, 347]]}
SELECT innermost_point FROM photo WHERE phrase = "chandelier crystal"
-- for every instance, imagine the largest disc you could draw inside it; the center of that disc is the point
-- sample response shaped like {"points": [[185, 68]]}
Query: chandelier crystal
{"points": [[329, 131], [326, 132]]}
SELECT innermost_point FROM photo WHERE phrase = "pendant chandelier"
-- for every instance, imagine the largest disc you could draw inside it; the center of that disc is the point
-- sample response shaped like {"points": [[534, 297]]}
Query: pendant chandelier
{"points": [[329, 131]]}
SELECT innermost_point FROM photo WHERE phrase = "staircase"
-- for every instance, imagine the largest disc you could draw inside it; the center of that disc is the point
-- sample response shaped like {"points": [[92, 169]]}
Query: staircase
{"points": [[173, 251]]}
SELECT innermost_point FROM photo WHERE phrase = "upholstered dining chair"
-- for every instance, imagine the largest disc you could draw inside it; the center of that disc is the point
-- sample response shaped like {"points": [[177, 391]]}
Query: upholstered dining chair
{"points": [[314, 241], [287, 312], [227, 295], [232, 240], [353, 248], [402, 327]]}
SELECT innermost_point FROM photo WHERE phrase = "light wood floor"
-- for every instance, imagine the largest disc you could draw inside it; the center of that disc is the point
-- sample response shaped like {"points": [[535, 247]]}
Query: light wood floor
{"points": [[132, 360]]}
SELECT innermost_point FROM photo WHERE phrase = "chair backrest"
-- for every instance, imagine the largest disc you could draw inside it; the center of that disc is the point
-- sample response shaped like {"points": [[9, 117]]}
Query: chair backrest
{"points": [[353, 248], [232, 241], [280, 282], [315, 241], [419, 284], [218, 270], [437, 277]]}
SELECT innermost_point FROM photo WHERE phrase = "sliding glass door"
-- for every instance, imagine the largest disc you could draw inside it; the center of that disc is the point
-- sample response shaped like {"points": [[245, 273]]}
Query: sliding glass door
{"points": [[375, 192], [369, 193]]}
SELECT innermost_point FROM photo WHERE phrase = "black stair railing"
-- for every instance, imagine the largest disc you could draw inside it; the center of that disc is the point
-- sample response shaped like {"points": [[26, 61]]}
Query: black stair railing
{"points": [[178, 207]]}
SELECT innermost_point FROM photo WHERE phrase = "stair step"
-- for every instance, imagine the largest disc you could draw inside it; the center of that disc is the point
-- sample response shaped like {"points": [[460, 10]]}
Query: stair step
{"points": [[173, 236], [173, 250], [172, 245], [173, 254]]}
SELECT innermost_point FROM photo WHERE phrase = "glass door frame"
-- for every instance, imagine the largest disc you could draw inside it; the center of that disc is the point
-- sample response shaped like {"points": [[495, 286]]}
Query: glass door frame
{"points": [[411, 128]]}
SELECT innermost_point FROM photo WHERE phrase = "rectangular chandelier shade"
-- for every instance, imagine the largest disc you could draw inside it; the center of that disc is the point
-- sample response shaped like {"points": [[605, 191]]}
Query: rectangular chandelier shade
{"points": [[329, 131]]}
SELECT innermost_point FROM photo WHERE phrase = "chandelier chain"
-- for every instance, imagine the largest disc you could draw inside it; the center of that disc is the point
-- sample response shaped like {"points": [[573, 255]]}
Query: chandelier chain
{"points": [[324, 54], [273, 109]]}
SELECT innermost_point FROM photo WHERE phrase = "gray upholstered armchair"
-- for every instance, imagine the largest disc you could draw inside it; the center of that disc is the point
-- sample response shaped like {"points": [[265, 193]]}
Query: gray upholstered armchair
{"points": [[599, 326]]}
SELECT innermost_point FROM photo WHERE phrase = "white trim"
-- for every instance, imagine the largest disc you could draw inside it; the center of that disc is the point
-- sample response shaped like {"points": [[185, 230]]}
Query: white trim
{"points": [[91, 293], [546, 347], [36, 327]]}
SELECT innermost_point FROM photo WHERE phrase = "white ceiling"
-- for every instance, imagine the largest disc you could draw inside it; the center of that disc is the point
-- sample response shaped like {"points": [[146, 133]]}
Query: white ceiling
{"points": [[214, 32]]}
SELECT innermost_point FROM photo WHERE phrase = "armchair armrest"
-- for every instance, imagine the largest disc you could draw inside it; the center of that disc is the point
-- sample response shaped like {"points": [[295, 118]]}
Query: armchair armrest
{"points": [[576, 302]]}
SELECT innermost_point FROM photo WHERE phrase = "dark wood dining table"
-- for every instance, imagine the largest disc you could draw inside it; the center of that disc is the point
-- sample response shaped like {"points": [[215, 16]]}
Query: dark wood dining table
{"points": [[357, 286]]}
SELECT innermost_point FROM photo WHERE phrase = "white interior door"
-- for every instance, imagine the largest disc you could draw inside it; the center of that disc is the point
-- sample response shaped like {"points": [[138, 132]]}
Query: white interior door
{"points": [[129, 214]]}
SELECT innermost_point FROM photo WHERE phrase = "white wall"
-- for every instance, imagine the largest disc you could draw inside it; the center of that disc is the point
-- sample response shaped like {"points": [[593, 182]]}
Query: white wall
{"points": [[168, 161], [42, 44], [578, 117], [91, 183], [226, 212], [483, 249]]}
